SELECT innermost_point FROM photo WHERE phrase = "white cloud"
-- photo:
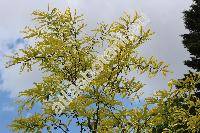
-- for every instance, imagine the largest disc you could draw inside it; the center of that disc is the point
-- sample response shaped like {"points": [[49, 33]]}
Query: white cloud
{"points": [[13, 80]]}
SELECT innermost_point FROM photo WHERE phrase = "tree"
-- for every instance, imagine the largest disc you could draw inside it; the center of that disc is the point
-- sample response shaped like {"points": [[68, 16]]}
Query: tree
{"points": [[179, 108], [191, 40], [176, 110], [81, 85]]}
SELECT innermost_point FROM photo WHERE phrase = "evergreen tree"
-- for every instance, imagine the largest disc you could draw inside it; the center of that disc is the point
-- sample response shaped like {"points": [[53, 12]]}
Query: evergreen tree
{"points": [[191, 40], [180, 112]]}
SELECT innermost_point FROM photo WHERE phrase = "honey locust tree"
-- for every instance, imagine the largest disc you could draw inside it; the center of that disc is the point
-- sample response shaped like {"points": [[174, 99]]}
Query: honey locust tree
{"points": [[171, 111], [63, 51], [185, 105], [178, 109]]}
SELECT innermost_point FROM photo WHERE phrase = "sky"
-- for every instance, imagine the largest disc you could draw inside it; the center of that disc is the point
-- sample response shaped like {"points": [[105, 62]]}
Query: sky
{"points": [[165, 20]]}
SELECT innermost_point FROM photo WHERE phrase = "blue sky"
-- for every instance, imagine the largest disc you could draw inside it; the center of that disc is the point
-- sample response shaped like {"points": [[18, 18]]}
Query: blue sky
{"points": [[165, 19], [7, 112]]}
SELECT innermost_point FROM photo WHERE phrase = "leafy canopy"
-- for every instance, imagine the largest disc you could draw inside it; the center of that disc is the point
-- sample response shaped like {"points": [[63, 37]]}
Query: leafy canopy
{"points": [[63, 51]]}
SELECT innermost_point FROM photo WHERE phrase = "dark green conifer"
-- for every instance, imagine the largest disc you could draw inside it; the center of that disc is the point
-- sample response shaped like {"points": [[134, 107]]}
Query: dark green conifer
{"points": [[191, 40]]}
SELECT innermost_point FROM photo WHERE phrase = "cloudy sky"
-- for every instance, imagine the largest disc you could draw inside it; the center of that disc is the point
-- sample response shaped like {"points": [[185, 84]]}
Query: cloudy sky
{"points": [[165, 19]]}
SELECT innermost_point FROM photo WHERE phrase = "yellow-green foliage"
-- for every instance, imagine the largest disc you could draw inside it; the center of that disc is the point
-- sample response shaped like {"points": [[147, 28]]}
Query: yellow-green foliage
{"points": [[63, 50], [177, 109]]}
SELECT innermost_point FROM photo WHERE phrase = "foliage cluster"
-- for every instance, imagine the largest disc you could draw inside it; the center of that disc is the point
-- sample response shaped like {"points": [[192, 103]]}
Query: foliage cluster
{"points": [[62, 50]]}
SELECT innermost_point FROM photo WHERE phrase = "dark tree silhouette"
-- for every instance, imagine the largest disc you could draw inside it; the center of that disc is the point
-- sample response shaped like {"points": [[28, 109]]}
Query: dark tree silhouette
{"points": [[191, 41]]}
